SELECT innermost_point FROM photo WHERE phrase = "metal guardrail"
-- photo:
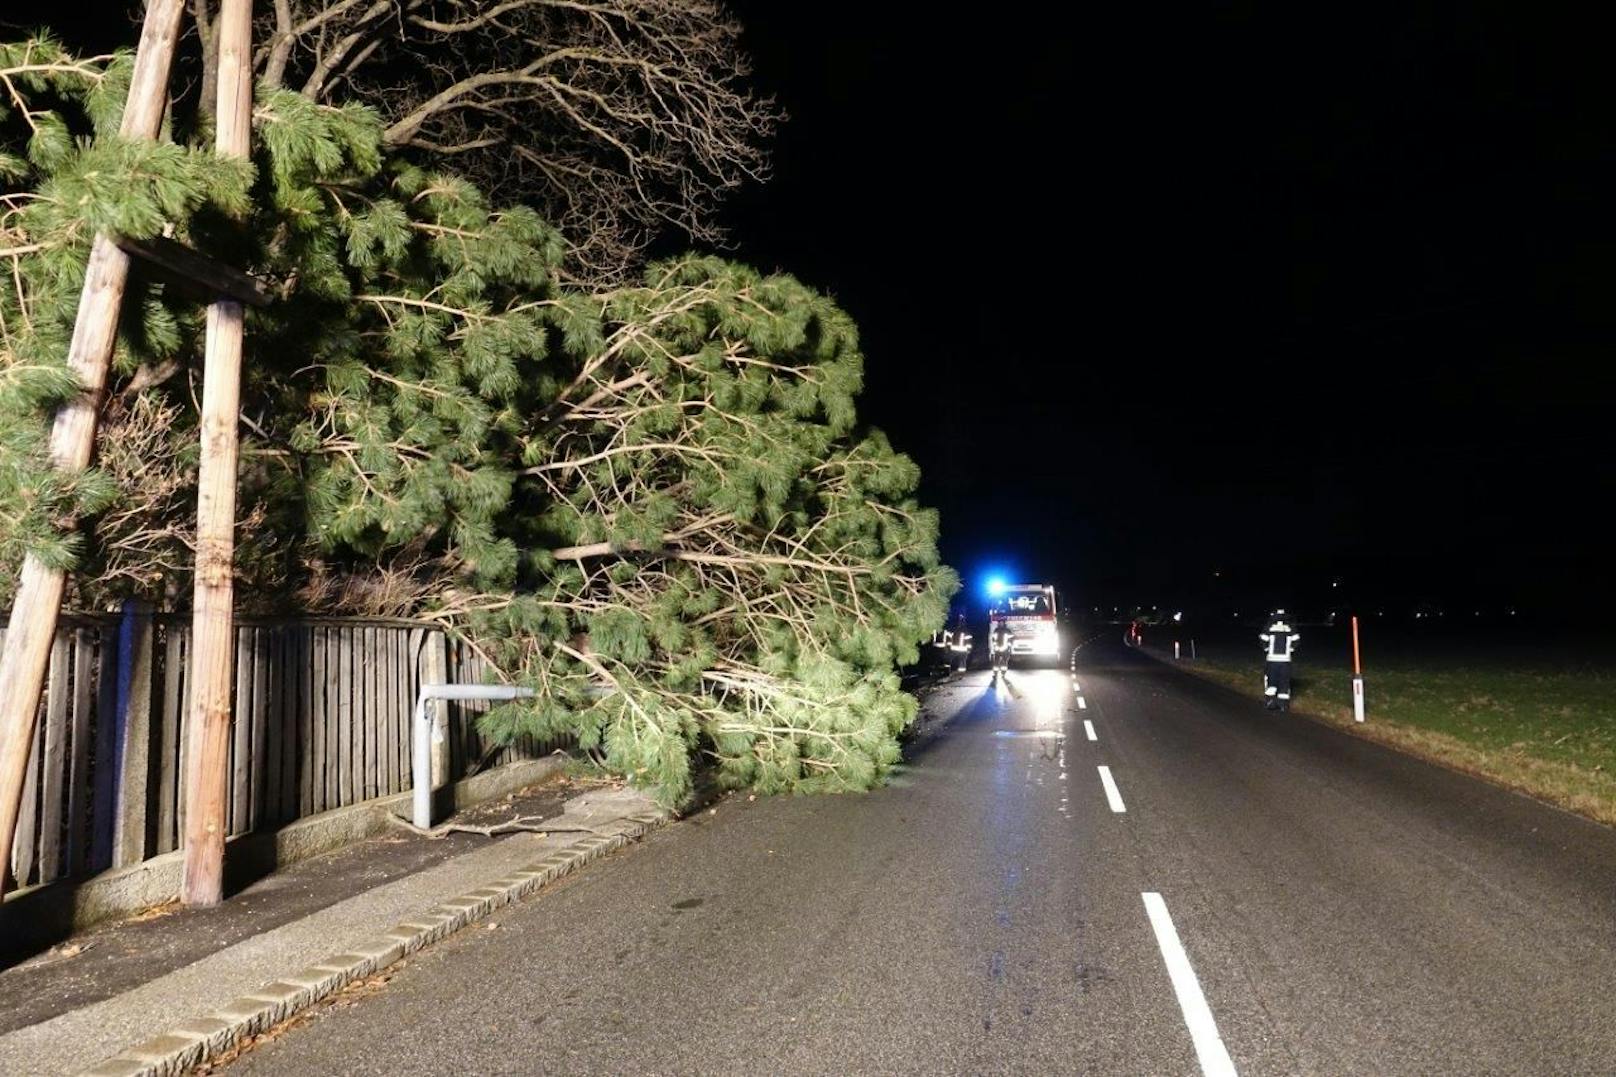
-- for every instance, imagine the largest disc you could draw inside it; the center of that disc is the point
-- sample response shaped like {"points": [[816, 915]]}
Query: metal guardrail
{"points": [[425, 730]]}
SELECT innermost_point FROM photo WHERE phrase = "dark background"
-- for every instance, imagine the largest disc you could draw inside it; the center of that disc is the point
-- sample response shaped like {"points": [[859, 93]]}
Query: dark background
{"points": [[1287, 295], [1217, 303]]}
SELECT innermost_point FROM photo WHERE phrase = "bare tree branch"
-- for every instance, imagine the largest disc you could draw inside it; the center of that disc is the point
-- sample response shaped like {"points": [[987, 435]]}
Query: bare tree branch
{"points": [[618, 119]]}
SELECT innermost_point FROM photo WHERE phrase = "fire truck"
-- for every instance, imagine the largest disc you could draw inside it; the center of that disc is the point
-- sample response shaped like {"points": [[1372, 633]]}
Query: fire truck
{"points": [[1028, 611]]}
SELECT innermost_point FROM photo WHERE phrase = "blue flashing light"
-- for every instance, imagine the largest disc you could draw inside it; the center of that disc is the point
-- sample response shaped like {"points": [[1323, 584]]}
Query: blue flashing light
{"points": [[996, 586]]}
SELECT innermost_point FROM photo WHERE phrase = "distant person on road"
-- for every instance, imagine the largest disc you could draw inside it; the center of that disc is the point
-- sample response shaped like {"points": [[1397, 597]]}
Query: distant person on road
{"points": [[1280, 641], [959, 642], [999, 644]]}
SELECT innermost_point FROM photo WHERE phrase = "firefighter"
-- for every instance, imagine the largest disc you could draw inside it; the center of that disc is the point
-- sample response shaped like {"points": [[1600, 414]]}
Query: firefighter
{"points": [[1280, 641], [999, 644], [959, 644], [944, 654]]}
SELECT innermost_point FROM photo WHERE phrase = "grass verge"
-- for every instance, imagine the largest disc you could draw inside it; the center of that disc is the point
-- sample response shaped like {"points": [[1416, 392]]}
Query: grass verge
{"points": [[1544, 731]]}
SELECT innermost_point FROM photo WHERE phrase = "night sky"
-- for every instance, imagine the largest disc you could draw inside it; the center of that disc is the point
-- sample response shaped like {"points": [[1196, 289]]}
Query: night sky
{"points": [[1239, 288], [1259, 290]]}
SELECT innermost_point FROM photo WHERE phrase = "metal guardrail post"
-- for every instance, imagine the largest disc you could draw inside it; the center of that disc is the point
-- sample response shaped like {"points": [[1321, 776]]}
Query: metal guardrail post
{"points": [[421, 731]]}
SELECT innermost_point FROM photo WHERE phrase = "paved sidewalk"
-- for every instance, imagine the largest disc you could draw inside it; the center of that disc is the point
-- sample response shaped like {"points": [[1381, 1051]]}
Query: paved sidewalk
{"points": [[63, 1014]]}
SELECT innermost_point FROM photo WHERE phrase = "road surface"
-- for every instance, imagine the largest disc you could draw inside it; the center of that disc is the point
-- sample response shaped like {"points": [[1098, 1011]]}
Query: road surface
{"points": [[1235, 892]]}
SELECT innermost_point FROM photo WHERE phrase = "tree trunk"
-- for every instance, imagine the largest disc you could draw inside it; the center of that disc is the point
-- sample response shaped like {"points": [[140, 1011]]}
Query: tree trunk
{"points": [[213, 609], [39, 595]]}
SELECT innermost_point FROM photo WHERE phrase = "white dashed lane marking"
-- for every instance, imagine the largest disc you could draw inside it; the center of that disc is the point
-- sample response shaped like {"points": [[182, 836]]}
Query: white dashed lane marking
{"points": [[1209, 1048], [1088, 727], [1112, 794]]}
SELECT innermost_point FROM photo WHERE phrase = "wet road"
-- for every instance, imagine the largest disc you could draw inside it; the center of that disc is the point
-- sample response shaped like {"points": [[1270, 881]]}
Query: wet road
{"points": [[1233, 892]]}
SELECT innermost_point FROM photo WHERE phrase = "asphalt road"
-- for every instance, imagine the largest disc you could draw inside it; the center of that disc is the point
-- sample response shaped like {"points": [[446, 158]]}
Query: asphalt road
{"points": [[1339, 908]]}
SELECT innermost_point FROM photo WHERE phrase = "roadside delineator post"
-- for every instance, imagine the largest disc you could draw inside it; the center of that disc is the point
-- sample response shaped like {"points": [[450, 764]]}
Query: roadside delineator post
{"points": [[1357, 676], [1175, 650]]}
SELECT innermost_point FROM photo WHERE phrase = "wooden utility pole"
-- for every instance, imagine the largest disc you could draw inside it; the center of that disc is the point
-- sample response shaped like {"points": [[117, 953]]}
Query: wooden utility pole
{"points": [[213, 601], [38, 601]]}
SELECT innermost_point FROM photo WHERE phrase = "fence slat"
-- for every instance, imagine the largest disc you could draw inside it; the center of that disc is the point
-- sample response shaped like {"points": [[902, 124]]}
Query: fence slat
{"points": [[25, 846], [103, 776], [384, 712], [54, 759], [78, 778], [258, 801], [291, 716], [336, 753], [387, 699], [133, 735], [364, 702], [346, 738], [262, 731], [462, 733], [25, 854], [361, 702], [271, 660], [171, 798], [317, 756], [364, 716], [407, 680], [373, 740], [408, 683], [453, 714], [241, 741]]}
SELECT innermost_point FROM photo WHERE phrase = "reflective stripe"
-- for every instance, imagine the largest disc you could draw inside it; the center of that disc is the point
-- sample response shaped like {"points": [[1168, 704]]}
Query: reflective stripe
{"points": [[1279, 641]]}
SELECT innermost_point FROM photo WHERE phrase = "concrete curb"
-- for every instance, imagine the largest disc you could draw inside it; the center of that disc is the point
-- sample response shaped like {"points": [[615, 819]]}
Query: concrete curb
{"points": [[189, 1044]]}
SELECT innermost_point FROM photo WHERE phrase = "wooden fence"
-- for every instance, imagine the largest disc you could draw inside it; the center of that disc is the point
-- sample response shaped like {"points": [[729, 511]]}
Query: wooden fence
{"points": [[321, 720]]}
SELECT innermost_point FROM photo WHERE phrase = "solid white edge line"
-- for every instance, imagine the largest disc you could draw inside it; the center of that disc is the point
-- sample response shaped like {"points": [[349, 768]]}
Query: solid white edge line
{"points": [[1088, 727], [1082, 704], [1111, 792], [1209, 1048]]}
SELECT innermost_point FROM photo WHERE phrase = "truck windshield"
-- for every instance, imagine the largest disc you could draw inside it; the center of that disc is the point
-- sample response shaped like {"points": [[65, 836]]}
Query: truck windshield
{"points": [[1035, 604]]}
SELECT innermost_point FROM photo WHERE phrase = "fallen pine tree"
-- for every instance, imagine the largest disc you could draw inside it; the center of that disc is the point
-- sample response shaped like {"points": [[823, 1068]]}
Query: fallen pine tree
{"points": [[654, 504]]}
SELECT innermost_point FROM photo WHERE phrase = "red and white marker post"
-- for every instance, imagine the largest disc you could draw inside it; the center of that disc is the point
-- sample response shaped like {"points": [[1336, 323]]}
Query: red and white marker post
{"points": [[1357, 676]]}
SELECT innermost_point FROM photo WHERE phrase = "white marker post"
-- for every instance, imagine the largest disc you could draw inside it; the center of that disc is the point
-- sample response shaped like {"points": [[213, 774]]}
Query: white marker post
{"points": [[1357, 676], [1175, 650]]}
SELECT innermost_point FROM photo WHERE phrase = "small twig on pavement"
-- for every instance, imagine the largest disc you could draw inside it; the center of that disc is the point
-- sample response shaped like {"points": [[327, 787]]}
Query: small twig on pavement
{"points": [[530, 824]]}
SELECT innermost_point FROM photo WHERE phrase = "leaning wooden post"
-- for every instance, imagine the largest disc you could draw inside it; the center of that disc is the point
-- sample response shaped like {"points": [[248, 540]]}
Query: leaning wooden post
{"points": [[213, 610], [38, 600]]}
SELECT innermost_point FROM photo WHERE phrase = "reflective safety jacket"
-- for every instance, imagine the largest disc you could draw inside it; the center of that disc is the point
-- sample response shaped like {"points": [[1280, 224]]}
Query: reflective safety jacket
{"points": [[1001, 639], [957, 640], [1280, 639]]}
